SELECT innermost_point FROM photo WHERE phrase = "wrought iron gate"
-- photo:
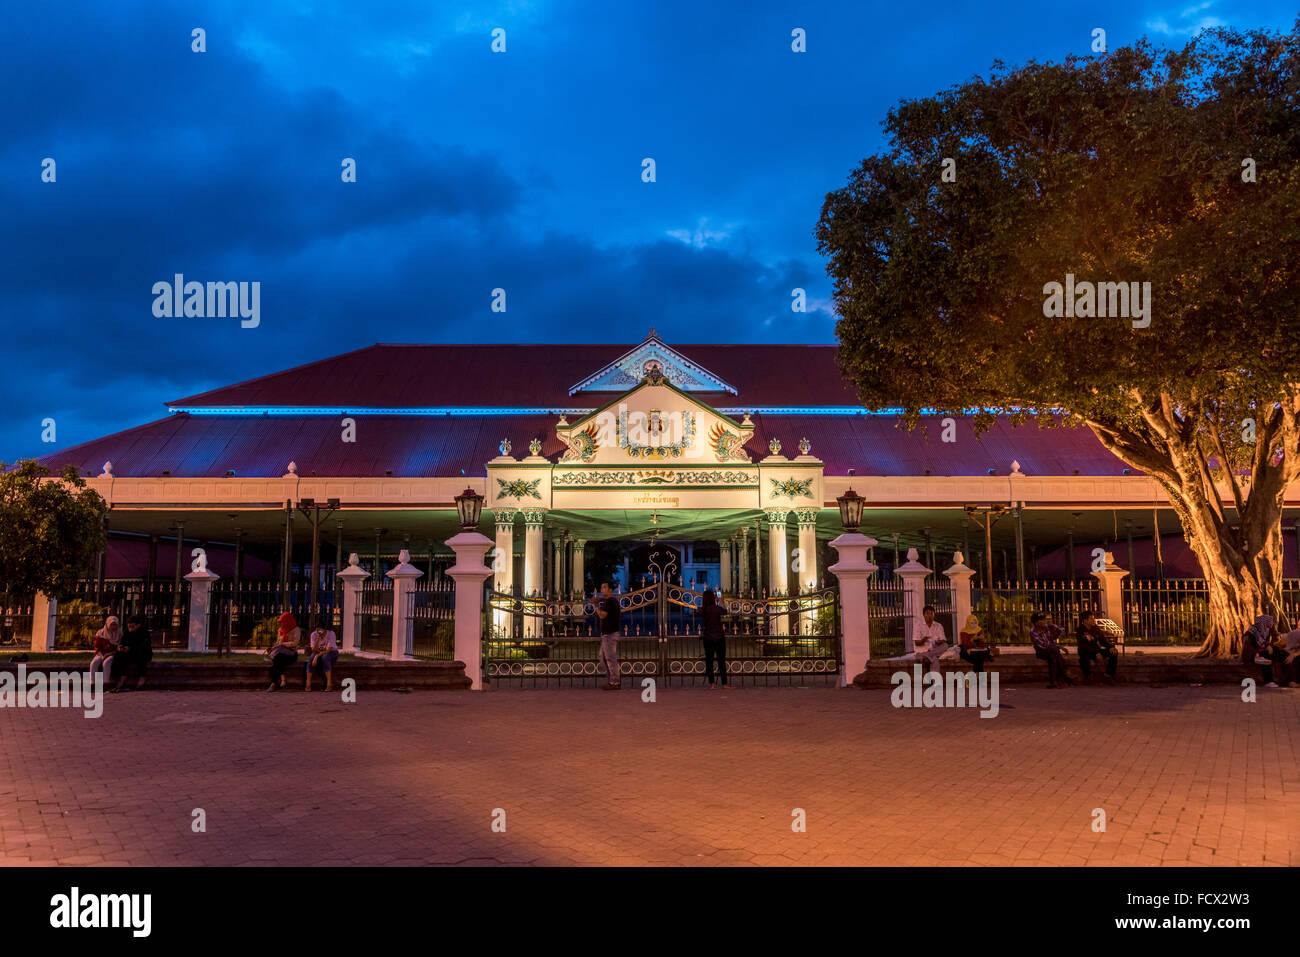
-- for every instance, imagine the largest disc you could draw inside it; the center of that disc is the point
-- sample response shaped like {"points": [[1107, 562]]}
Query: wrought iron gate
{"points": [[535, 642]]}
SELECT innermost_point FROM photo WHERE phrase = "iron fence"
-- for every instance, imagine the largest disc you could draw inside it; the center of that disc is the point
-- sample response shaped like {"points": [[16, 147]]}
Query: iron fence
{"points": [[431, 609], [1171, 611], [1006, 609], [164, 608], [374, 616]]}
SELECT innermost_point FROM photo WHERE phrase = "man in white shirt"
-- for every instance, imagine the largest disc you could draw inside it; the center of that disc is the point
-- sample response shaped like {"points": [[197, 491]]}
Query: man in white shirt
{"points": [[928, 639]]}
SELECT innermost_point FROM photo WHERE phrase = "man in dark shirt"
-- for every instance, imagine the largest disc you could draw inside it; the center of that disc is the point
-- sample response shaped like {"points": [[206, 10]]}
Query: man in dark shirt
{"points": [[611, 629]]}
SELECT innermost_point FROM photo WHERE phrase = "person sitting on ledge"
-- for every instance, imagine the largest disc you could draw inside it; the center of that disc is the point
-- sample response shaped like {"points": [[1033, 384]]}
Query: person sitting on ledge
{"points": [[106, 640], [324, 652], [1095, 643], [1044, 633], [1258, 645], [284, 652], [929, 640], [134, 651], [973, 647]]}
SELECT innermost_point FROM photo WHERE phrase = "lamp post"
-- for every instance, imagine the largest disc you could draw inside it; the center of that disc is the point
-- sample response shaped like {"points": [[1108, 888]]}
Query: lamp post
{"points": [[853, 569], [312, 510], [469, 573]]}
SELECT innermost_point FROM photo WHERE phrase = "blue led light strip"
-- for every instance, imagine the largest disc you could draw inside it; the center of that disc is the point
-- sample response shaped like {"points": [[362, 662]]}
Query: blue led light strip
{"points": [[506, 410]]}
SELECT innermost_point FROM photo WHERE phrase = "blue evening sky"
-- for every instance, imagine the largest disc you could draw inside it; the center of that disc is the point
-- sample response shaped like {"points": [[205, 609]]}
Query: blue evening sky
{"points": [[475, 170]]}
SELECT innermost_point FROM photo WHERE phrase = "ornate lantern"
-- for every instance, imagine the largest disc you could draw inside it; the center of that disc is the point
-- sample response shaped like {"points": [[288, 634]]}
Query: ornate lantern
{"points": [[851, 510], [470, 505]]}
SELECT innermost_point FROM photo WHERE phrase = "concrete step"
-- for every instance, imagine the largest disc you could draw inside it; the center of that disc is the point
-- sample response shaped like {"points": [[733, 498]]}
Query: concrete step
{"points": [[252, 675], [1134, 668]]}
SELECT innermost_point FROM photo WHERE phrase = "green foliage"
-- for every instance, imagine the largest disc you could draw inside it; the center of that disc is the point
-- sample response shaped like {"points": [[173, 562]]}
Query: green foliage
{"points": [[1008, 624], [1180, 169], [1188, 621], [265, 633], [76, 623], [50, 530]]}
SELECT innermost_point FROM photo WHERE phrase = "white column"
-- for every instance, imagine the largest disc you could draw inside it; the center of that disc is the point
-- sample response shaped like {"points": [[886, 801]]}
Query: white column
{"points": [[743, 585], [469, 573], [806, 572], [200, 588], [724, 565], [778, 562], [959, 575], [1111, 582], [503, 564], [352, 577], [43, 611], [913, 574], [557, 563], [533, 583], [404, 577], [578, 578], [852, 570]]}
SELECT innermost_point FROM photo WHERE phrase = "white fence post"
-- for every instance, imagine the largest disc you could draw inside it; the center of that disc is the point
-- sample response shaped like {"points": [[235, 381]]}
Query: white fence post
{"points": [[353, 576], [852, 570], [470, 573], [43, 611], [913, 574], [403, 576]]}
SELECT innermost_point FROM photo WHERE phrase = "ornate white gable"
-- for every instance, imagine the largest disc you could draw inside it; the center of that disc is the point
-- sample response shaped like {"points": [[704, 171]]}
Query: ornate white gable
{"points": [[652, 359], [658, 423]]}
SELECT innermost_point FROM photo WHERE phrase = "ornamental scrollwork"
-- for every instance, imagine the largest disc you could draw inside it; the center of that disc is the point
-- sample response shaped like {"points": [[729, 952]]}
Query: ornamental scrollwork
{"points": [[518, 488], [792, 488]]}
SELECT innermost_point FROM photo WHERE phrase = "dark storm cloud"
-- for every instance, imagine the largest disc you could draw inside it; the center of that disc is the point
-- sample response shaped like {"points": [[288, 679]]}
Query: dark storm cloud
{"points": [[475, 171]]}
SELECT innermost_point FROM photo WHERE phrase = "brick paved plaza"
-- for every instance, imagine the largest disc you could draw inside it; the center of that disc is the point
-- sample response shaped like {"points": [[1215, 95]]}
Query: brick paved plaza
{"points": [[1185, 775]]}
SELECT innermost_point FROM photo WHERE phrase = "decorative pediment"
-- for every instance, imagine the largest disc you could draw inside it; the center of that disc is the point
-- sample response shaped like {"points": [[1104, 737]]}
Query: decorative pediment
{"points": [[654, 423], [652, 360]]}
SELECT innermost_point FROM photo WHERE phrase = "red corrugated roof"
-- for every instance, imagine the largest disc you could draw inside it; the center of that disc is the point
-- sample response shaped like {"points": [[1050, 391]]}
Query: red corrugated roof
{"points": [[443, 445], [527, 376]]}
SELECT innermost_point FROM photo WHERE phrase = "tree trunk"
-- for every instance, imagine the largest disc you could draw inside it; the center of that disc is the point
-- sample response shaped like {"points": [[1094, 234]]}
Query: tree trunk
{"points": [[1242, 565]]}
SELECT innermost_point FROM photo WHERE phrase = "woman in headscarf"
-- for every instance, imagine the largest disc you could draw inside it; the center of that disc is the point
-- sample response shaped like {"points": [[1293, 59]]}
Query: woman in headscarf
{"points": [[285, 651], [1257, 646], [106, 641], [973, 647]]}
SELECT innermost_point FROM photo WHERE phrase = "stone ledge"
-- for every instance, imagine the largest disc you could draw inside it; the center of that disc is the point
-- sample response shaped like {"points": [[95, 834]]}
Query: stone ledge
{"points": [[1133, 669], [222, 675]]}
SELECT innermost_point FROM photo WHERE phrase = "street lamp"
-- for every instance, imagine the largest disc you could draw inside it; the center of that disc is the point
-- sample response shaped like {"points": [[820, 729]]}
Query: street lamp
{"points": [[312, 509], [851, 510], [470, 505]]}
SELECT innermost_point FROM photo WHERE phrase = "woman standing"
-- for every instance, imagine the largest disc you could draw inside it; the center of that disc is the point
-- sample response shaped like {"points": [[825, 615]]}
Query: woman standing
{"points": [[715, 642]]}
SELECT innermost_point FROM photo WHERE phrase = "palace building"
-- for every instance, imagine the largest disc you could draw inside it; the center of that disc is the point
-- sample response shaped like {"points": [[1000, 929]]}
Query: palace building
{"points": [[733, 455]]}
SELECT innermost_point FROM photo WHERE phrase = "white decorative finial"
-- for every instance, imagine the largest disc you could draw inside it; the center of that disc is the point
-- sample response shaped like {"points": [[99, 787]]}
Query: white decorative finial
{"points": [[108, 468], [774, 446], [564, 421], [404, 557], [535, 447], [746, 422], [354, 559], [1015, 467], [652, 333], [804, 446], [912, 554], [293, 468], [958, 558], [505, 446]]}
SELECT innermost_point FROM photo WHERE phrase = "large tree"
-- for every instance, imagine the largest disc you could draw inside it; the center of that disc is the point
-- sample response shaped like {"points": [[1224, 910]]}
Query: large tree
{"points": [[1176, 168], [50, 531]]}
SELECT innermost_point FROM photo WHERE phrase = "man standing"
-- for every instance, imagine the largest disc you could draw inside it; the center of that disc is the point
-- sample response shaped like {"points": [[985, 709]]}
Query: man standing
{"points": [[611, 629], [928, 639]]}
